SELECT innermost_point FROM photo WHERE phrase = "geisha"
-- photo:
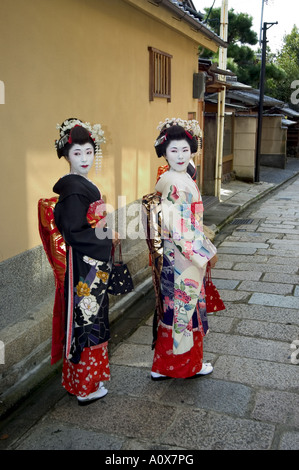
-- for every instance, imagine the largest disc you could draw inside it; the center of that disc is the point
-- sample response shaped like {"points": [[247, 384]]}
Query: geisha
{"points": [[179, 253], [82, 263]]}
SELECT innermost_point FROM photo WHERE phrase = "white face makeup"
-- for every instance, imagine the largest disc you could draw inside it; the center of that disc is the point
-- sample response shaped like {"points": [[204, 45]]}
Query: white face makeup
{"points": [[81, 158], [178, 155]]}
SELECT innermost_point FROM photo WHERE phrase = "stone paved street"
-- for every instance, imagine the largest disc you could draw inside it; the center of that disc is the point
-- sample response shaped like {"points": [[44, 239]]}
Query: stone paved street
{"points": [[254, 343], [250, 402]]}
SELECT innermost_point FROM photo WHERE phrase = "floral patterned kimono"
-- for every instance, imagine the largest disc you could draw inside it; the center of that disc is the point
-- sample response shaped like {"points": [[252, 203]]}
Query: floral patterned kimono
{"points": [[88, 265], [179, 255]]}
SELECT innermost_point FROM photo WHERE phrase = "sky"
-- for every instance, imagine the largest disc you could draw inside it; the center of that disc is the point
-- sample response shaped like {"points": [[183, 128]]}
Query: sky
{"points": [[286, 12]]}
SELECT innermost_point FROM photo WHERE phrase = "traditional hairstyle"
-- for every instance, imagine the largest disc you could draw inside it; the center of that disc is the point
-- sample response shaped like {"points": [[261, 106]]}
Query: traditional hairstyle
{"points": [[177, 129], [74, 131]]}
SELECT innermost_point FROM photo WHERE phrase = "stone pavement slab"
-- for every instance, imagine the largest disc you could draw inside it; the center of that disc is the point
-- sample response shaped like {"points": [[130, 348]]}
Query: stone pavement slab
{"points": [[248, 347], [257, 373], [266, 287], [274, 300], [279, 315], [203, 430], [54, 436]]}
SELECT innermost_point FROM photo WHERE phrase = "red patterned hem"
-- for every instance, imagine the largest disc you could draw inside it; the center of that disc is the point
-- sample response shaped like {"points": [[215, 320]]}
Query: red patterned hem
{"points": [[177, 365], [84, 378]]}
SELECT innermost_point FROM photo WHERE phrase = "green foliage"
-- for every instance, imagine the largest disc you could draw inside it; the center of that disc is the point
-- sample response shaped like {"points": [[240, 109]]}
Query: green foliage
{"points": [[241, 58], [240, 25], [287, 61]]}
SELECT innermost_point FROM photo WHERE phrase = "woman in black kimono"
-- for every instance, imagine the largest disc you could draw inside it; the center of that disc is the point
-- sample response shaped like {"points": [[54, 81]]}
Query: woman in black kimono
{"points": [[85, 362]]}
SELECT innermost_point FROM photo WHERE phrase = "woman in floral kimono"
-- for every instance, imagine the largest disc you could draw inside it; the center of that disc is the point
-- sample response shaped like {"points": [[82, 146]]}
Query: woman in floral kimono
{"points": [[85, 361], [179, 259]]}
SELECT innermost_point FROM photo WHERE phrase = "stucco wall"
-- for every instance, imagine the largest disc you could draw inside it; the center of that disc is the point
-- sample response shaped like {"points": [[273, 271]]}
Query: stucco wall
{"points": [[244, 146], [273, 142]]}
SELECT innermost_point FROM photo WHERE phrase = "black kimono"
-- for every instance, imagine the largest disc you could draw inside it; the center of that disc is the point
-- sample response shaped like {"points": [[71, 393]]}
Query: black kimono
{"points": [[88, 265]]}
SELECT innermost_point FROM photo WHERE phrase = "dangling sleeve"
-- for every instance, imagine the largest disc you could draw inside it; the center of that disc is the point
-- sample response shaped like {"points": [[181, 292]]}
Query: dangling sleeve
{"points": [[71, 220], [182, 218]]}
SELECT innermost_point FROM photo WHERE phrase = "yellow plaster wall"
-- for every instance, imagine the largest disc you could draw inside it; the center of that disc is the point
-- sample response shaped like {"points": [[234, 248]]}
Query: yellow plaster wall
{"points": [[273, 139], [68, 58], [244, 146]]}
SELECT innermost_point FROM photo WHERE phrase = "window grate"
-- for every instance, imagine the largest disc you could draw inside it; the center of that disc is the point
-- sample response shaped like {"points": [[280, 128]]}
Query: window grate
{"points": [[160, 74]]}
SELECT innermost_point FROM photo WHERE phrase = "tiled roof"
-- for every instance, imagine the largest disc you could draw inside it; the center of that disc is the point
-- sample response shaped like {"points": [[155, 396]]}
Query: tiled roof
{"points": [[185, 12], [249, 97]]}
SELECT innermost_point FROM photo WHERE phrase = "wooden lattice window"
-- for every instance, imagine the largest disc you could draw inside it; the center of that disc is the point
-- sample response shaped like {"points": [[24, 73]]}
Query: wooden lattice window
{"points": [[160, 74]]}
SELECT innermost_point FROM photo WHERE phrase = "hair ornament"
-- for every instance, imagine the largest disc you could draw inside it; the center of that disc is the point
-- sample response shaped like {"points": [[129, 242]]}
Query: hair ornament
{"points": [[191, 127], [62, 141], [96, 133], [188, 135], [161, 140]]}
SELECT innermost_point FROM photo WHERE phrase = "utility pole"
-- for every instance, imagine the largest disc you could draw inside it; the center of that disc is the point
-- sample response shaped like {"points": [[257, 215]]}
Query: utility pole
{"points": [[261, 101], [221, 100], [262, 15]]}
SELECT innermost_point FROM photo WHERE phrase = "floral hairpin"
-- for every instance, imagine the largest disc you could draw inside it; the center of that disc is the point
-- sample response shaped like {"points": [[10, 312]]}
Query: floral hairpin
{"points": [[190, 126]]}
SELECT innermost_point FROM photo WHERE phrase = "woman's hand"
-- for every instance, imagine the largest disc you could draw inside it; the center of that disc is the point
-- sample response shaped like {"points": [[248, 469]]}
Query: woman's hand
{"points": [[213, 261]]}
